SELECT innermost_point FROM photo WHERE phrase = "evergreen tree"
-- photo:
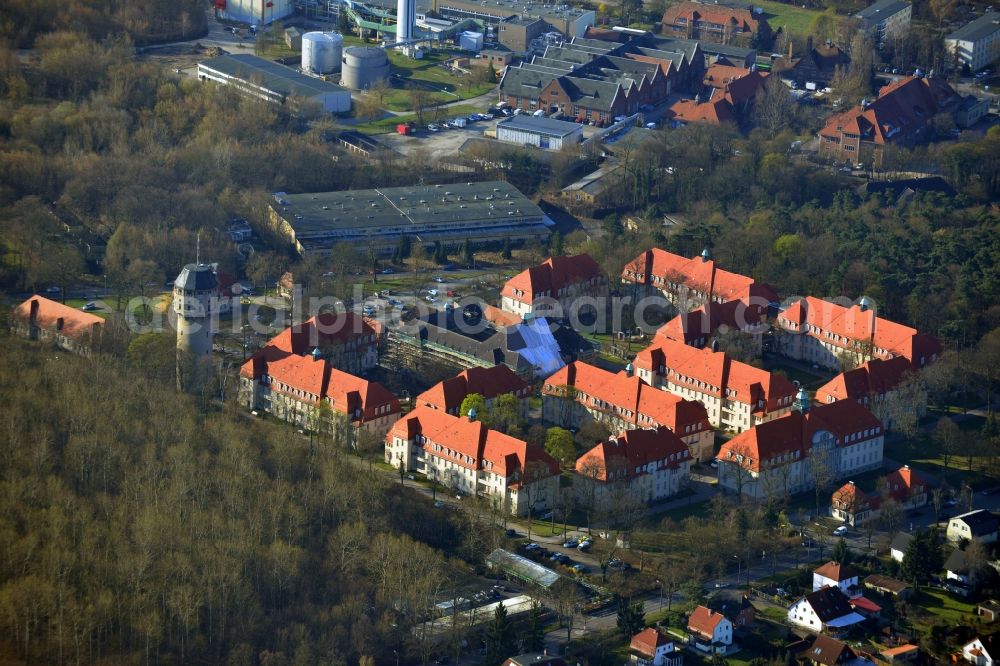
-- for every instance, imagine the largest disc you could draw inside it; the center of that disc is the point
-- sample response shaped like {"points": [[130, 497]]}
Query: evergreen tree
{"points": [[631, 618], [505, 253], [534, 639], [499, 638], [556, 244], [923, 556], [405, 247], [468, 255], [841, 553]]}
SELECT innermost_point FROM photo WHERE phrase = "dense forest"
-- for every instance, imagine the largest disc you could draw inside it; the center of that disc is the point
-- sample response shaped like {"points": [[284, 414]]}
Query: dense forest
{"points": [[138, 525]]}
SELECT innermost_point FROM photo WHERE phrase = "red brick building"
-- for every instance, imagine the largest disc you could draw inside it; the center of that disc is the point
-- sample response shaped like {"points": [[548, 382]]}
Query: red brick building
{"points": [[716, 23]]}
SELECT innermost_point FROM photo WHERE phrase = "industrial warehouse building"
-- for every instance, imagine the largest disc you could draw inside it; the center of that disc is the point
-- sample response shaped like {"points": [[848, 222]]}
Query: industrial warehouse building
{"points": [[540, 132], [273, 82], [449, 214]]}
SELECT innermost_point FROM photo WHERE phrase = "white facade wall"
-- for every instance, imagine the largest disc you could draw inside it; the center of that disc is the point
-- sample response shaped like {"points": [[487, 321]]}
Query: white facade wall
{"points": [[801, 614], [256, 12], [977, 54], [526, 137], [982, 659], [820, 581]]}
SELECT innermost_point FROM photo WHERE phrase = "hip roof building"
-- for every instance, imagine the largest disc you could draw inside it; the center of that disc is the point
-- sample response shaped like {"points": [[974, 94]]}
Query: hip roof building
{"points": [[552, 287], [40, 318]]}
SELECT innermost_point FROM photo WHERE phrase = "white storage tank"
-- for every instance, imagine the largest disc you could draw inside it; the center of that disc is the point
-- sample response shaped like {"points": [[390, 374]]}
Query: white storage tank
{"points": [[320, 52], [362, 66]]}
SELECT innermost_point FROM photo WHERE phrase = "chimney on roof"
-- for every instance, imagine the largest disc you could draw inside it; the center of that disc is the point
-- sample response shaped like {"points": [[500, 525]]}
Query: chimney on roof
{"points": [[629, 370]]}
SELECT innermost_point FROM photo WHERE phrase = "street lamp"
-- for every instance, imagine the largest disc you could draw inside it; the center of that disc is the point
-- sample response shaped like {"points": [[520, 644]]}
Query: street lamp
{"points": [[395, 652]]}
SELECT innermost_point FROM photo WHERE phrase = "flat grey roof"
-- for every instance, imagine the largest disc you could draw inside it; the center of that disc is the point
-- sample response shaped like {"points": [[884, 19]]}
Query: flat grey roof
{"points": [[982, 27], [272, 76], [881, 9], [522, 567], [414, 207], [538, 125]]}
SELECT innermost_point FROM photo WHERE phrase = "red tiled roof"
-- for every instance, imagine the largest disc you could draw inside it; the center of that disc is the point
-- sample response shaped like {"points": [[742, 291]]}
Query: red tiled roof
{"points": [[487, 382], [874, 378], [739, 85], [866, 605], [628, 398], [851, 498], [715, 111], [323, 330], [699, 275], [743, 19], [716, 374], [54, 316], [794, 431], [467, 439], [550, 276], [703, 621], [836, 571], [904, 483], [647, 641], [855, 326], [703, 321], [634, 449], [499, 317], [901, 649], [901, 107], [346, 393]]}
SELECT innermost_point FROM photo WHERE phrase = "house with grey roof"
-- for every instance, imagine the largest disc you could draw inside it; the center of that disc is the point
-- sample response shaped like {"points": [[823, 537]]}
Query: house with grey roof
{"points": [[977, 43], [885, 20]]}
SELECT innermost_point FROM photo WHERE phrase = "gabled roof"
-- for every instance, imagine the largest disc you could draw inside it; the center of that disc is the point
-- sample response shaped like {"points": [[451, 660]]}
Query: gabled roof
{"points": [[836, 571], [829, 603], [743, 20], [550, 276], [901, 541], [957, 562], [904, 483], [795, 431], [980, 522], [323, 330], [852, 498], [54, 316], [991, 645], [715, 111], [714, 373], [694, 327], [874, 378], [902, 106], [977, 29], [621, 457], [698, 274], [828, 651], [647, 641], [703, 621], [487, 382], [470, 444], [893, 585], [629, 398], [855, 326]]}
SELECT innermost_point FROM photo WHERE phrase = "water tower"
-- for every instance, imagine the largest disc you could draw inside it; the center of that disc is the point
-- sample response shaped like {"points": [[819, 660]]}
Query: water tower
{"points": [[194, 292]]}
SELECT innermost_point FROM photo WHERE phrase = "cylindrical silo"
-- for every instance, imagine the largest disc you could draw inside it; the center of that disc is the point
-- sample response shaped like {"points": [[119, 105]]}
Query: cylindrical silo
{"points": [[337, 49], [362, 66], [405, 18], [318, 53]]}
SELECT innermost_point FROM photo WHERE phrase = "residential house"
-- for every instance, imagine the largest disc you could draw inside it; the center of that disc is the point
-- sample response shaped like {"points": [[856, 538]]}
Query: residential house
{"points": [[976, 525], [552, 288], [989, 610], [491, 383], [821, 332], [709, 324], [651, 648], [310, 393], [876, 385], [884, 21], [772, 458], [824, 611], [983, 651], [976, 44], [39, 318], [709, 631], [580, 392], [715, 111], [899, 544], [717, 23], [737, 396], [854, 506], [820, 650], [888, 586], [688, 283], [469, 458], [838, 575], [900, 115], [645, 465], [735, 605], [907, 653], [818, 65]]}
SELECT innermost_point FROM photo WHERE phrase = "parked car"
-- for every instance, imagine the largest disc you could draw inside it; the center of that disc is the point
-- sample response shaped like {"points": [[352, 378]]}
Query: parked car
{"points": [[439, 504], [438, 279], [571, 543], [90, 306], [579, 569], [840, 531], [511, 533], [532, 546]]}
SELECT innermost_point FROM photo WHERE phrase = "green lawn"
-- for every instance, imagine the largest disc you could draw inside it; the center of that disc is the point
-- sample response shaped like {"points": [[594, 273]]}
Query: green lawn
{"points": [[779, 15], [386, 125], [938, 607], [921, 451]]}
